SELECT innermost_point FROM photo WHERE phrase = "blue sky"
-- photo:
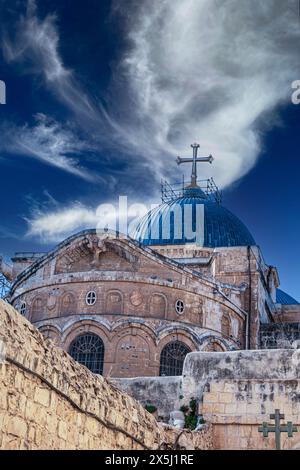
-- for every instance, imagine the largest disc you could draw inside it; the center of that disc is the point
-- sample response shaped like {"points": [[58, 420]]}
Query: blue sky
{"points": [[103, 95]]}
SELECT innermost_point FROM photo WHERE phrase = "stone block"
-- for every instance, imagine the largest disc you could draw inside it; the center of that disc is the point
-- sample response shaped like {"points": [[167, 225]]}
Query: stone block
{"points": [[17, 426], [230, 387], [231, 408], [226, 397], [42, 396], [211, 397], [62, 430]]}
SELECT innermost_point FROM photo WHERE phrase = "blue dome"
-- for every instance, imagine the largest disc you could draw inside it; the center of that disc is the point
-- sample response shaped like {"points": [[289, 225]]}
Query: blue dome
{"points": [[221, 227], [285, 299]]}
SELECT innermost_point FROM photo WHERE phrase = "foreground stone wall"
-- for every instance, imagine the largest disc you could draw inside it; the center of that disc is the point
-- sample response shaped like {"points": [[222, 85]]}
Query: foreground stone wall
{"points": [[48, 401], [238, 391], [237, 409]]}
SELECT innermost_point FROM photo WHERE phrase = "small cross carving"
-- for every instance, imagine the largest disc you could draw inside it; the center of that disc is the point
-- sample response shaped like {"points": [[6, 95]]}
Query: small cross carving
{"points": [[278, 428]]}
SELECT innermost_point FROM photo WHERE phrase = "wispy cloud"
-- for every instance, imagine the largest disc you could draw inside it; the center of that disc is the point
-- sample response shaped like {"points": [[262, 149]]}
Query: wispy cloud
{"points": [[208, 70], [48, 142], [36, 45], [55, 224]]}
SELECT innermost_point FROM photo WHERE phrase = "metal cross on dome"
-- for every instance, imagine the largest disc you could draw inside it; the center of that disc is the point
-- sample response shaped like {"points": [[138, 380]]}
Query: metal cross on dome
{"points": [[194, 161], [278, 428]]}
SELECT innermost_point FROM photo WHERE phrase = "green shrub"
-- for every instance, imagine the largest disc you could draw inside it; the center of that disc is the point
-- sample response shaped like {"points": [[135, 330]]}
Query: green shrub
{"points": [[184, 409], [190, 414], [150, 408]]}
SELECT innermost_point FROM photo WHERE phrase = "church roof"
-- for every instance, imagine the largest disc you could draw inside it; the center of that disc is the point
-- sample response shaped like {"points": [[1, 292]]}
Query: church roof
{"points": [[285, 299], [221, 227]]}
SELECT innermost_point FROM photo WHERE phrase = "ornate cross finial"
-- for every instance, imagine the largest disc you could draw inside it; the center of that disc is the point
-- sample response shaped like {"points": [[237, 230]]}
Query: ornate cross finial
{"points": [[278, 428], [194, 161]]}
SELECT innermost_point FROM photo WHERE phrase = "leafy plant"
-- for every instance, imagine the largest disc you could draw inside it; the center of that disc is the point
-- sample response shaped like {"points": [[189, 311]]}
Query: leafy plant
{"points": [[150, 408], [190, 414], [190, 422], [184, 409]]}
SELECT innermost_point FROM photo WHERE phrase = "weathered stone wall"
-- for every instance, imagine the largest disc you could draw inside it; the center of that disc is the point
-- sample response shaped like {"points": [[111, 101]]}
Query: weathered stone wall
{"points": [[238, 408], [165, 393], [237, 392], [48, 401], [280, 336]]}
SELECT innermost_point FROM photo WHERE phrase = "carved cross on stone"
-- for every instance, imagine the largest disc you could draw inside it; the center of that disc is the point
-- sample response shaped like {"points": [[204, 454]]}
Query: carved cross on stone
{"points": [[278, 428], [194, 161]]}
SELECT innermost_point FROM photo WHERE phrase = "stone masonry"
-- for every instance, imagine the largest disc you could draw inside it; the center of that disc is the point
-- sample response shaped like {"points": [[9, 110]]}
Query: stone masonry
{"points": [[236, 392], [48, 401]]}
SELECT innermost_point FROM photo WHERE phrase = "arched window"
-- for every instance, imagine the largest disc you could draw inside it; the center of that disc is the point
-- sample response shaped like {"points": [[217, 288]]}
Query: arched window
{"points": [[225, 326], [172, 358], [23, 309], [88, 350]]}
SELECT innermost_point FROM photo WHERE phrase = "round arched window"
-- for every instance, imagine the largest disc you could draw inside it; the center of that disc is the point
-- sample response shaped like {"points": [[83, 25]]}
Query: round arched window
{"points": [[179, 307], [23, 308], [172, 358], [88, 350], [91, 298]]}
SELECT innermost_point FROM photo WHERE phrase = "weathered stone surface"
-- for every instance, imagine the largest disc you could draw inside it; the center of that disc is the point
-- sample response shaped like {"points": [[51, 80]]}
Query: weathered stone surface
{"points": [[202, 368], [62, 405], [237, 391], [281, 335], [177, 419], [165, 393]]}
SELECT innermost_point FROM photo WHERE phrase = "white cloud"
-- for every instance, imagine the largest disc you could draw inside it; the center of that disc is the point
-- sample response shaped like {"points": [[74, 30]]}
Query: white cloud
{"points": [[213, 71], [208, 70], [48, 142], [55, 225]]}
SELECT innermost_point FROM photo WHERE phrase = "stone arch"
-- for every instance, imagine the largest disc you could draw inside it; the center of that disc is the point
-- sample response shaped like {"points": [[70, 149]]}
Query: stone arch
{"points": [[213, 345], [182, 333], [226, 325], [68, 304], [50, 332], [81, 327], [114, 302], [158, 305], [122, 325], [133, 347], [37, 309]]}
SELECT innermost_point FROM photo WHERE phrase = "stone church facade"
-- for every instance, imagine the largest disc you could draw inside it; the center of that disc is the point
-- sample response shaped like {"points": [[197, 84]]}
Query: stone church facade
{"points": [[129, 307]]}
